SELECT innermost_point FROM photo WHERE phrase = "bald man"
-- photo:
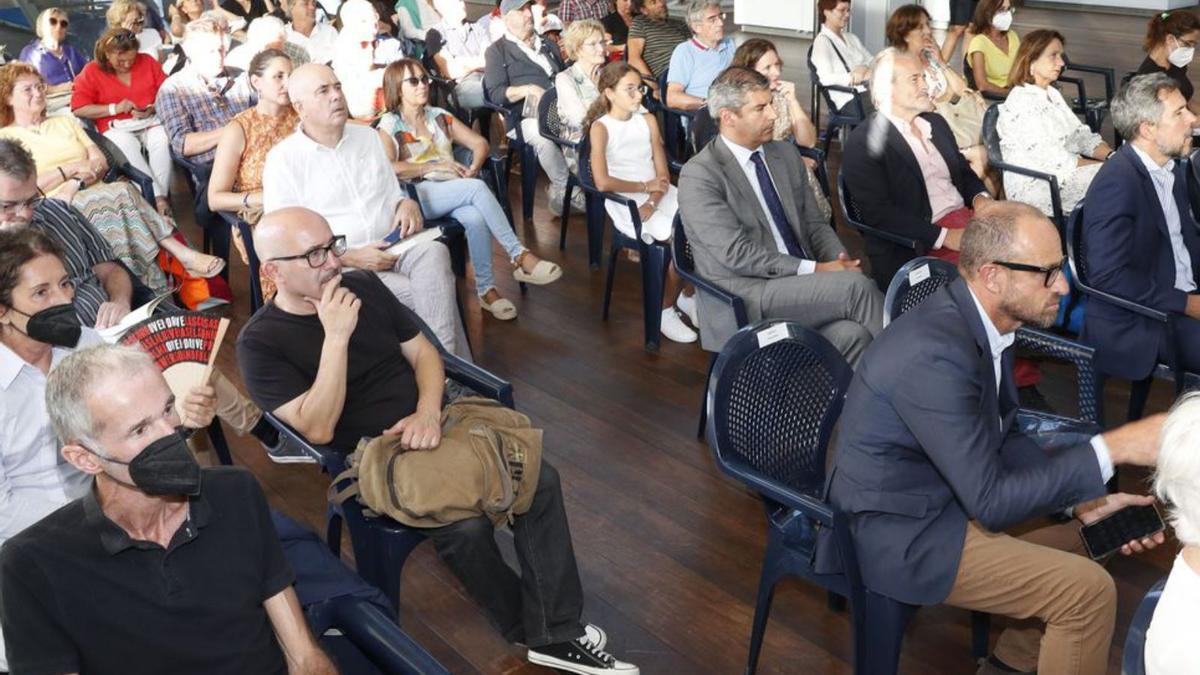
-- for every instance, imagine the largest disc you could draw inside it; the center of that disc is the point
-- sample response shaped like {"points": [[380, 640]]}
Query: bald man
{"points": [[339, 170], [931, 468], [337, 358]]}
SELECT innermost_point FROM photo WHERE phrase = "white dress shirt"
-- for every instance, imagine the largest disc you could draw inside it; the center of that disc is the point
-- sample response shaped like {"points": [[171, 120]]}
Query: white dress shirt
{"points": [[742, 155], [319, 45], [1163, 178], [351, 184], [997, 343], [34, 478]]}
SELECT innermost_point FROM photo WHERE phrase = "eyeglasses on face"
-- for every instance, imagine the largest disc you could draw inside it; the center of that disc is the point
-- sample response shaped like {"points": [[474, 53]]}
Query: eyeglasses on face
{"points": [[315, 257], [1050, 274], [414, 81], [9, 208], [55, 21]]}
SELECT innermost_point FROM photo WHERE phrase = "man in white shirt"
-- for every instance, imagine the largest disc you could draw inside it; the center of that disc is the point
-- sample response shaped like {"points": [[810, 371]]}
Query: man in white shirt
{"points": [[340, 171], [315, 37], [756, 232]]}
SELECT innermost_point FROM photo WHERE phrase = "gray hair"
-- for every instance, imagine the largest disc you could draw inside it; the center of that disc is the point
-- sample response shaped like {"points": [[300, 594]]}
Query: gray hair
{"points": [[16, 161], [697, 8], [70, 384], [729, 90], [1177, 474], [990, 235], [1138, 103]]}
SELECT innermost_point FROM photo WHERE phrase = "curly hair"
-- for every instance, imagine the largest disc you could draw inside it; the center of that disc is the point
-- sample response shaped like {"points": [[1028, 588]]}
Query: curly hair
{"points": [[9, 74]]}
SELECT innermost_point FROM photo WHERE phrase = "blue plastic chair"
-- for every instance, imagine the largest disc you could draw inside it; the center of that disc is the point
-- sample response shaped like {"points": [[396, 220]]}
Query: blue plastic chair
{"points": [[849, 117], [1133, 657], [1140, 390], [517, 144], [653, 256], [381, 545], [681, 253]]}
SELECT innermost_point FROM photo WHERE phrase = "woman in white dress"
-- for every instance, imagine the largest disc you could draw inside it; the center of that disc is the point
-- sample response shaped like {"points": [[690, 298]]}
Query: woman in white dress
{"points": [[1039, 131], [628, 157]]}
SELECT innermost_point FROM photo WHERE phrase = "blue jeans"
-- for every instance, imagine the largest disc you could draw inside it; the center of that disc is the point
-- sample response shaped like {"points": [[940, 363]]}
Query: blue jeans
{"points": [[469, 201]]}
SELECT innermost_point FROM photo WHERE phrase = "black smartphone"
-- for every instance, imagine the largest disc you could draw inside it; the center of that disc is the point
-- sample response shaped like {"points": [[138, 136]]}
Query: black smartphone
{"points": [[1113, 531]]}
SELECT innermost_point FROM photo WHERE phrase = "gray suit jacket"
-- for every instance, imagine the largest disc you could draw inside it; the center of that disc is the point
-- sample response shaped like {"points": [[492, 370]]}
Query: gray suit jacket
{"points": [[730, 232]]}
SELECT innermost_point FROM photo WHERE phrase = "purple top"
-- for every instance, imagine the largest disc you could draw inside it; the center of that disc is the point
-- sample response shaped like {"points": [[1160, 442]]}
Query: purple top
{"points": [[54, 69]]}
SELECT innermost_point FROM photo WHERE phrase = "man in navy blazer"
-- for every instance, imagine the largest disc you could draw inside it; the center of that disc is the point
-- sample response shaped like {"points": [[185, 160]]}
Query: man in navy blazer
{"points": [[1141, 238], [931, 469], [896, 189]]}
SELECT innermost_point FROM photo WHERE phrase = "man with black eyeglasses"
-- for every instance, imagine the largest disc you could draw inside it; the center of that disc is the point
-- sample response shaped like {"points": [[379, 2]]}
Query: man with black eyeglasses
{"points": [[931, 467]]}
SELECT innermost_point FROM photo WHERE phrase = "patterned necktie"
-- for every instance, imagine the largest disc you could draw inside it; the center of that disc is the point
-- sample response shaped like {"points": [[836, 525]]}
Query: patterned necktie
{"points": [[775, 207]]}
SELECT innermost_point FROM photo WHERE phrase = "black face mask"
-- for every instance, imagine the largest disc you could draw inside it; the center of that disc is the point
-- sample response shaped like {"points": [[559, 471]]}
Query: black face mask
{"points": [[58, 325], [165, 467]]}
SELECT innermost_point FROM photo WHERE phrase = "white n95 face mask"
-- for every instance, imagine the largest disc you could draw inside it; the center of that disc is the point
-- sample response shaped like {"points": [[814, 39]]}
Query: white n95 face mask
{"points": [[1003, 20]]}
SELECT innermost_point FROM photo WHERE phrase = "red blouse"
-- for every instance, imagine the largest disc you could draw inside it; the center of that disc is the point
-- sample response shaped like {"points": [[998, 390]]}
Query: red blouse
{"points": [[94, 86]]}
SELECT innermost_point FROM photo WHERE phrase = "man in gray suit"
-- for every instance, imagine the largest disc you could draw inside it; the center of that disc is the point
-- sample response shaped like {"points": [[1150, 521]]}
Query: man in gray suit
{"points": [[756, 232], [931, 468]]}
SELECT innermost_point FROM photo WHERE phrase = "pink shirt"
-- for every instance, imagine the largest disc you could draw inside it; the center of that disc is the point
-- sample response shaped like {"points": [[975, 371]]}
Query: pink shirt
{"points": [[943, 196]]}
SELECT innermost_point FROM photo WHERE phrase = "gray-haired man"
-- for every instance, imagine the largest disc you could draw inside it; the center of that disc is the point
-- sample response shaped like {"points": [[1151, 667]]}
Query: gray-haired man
{"points": [[756, 232]]}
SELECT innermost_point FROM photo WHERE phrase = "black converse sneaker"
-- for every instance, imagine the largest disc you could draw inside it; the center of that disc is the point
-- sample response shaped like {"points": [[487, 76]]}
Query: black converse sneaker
{"points": [[581, 655]]}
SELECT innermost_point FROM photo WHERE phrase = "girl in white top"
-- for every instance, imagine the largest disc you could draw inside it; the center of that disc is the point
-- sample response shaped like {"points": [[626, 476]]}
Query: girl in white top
{"points": [[1039, 131], [628, 157], [1170, 640], [839, 56]]}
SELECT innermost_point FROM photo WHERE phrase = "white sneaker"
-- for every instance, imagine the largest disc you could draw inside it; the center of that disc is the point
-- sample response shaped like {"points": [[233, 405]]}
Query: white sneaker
{"points": [[687, 305], [674, 328]]}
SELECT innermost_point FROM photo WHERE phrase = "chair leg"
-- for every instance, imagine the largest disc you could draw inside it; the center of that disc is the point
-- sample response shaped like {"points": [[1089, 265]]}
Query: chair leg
{"points": [[654, 271], [529, 172], [1138, 393], [595, 228], [981, 626], [608, 278], [886, 619]]}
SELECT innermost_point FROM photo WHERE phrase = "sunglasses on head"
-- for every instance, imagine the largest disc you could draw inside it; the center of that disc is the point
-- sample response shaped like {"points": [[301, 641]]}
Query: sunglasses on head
{"points": [[55, 21], [414, 81]]}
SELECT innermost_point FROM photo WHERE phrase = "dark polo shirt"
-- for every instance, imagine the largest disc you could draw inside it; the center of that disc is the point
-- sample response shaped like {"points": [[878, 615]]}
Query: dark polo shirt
{"points": [[78, 595]]}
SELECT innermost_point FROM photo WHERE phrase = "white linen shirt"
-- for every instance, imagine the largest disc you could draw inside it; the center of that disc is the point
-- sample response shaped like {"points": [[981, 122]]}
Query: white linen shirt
{"points": [[742, 155], [351, 185], [997, 343], [1163, 178], [34, 478]]}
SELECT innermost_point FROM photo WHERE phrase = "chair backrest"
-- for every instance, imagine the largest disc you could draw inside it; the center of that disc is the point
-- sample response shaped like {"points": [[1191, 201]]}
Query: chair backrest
{"points": [[549, 123], [915, 281], [991, 137], [775, 392], [1133, 658]]}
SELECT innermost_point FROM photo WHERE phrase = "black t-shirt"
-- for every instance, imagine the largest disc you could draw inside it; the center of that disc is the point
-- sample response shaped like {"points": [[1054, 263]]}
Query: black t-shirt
{"points": [[1174, 72], [615, 25], [280, 353], [78, 595]]}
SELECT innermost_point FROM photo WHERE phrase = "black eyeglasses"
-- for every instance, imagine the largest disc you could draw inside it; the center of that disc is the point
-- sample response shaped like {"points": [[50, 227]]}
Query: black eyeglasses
{"points": [[55, 21], [1051, 273], [317, 256], [414, 81]]}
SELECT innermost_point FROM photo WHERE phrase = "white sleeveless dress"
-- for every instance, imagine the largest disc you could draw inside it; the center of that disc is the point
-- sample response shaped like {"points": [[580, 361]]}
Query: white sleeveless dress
{"points": [[630, 158]]}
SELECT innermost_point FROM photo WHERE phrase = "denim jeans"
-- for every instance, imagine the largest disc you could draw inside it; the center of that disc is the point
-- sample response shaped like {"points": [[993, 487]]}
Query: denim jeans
{"points": [[469, 201], [542, 606]]}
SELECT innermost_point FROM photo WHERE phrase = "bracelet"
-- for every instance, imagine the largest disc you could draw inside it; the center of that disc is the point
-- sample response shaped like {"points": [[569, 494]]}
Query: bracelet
{"points": [[63, 174], [112, 108]]}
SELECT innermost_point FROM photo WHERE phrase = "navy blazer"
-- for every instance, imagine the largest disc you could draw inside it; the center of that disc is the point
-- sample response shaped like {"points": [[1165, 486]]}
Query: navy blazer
{"points": [[1128, 254], [889, 189], [926, 443]]}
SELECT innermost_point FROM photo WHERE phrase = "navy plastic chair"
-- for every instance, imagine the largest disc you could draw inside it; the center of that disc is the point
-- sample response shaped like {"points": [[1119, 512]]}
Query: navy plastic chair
{"points": [[517, 144], [381, 545], [1170, 370], [933, 273], [653, 256], [681, 253], [1133, 657], [674, 126], [991, 140], [849, 116], [553, 130]]}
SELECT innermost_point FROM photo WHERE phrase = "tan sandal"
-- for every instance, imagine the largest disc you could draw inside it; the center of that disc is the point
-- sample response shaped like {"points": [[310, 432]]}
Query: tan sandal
{"points": [[502, 309], [544, 272]]}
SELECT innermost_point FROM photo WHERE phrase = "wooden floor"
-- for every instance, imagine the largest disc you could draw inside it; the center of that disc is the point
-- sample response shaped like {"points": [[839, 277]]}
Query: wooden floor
{"points": [[669, 549]]}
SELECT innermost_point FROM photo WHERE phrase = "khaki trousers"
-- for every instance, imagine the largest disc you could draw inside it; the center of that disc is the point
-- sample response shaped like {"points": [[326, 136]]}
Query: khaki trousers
{"points": [[1063, 603]]}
